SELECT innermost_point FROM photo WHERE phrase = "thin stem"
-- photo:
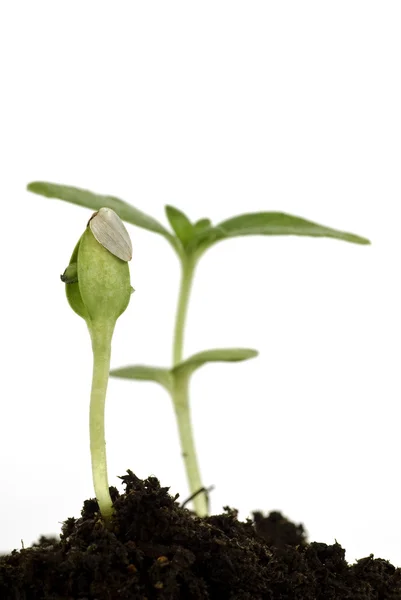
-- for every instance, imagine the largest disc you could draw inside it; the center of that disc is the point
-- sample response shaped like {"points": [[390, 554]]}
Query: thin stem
{"points": [[101, 334], [187, 273], [180, 397]]}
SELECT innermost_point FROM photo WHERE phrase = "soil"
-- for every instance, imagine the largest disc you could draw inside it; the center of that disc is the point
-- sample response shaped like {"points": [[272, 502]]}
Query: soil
{"points": [[155, 549]]}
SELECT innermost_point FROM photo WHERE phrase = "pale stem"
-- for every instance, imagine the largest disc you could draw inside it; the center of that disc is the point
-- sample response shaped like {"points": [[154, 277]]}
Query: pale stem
{"points": [[180, 394], [181, 405], [101, 335]]}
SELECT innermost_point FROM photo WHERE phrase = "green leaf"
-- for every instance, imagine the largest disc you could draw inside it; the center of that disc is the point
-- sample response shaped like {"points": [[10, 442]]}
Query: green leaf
{"points": [[202, 224], [275, 223], [144, 373], [205, 238], [180, 223], [72, 290], [195, 361], [88, 199]]}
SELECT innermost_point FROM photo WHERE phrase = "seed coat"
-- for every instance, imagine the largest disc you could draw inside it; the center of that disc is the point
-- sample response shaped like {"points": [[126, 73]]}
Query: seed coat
{"points": [[109, 230]]}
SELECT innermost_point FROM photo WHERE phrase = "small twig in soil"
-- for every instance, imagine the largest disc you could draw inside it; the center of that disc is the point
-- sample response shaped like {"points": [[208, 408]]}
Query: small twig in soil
{"points": [[200, 491]]}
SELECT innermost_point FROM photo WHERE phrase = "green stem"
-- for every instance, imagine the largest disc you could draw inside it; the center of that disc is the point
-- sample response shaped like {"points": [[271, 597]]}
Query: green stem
{"points": [[101, 334], [187, 273], [180, 395], [181, 406]]}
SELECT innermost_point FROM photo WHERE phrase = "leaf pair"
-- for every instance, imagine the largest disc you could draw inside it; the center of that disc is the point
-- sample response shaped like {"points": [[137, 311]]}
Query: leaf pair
{"points": [[187, 237], [186, 368]]}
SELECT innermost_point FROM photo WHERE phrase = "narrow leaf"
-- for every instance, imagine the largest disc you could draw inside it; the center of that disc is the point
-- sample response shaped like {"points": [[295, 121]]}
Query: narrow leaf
{"points": [[88, 199], [144, 373], [180, 223], [275, 223], [217, 355]]}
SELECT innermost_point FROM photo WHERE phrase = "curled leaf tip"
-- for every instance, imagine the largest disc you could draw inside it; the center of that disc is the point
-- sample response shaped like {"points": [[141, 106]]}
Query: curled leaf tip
{"points": [[70, 274]]}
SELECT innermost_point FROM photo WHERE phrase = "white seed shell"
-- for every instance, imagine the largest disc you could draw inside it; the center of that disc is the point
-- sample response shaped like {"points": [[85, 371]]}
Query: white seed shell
{"points": [[109, 230]]}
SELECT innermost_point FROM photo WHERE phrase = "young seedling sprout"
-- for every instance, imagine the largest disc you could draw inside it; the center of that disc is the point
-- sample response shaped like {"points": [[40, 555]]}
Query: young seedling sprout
{"points": [[98, 289], [190, 241]]}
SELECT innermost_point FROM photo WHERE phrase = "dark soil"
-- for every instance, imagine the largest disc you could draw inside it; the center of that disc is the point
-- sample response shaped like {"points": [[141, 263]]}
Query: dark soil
{"points": [[156, 549]]}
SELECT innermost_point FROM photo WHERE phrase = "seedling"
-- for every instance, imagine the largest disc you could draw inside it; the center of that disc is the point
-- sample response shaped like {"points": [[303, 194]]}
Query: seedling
{"points": [[98, 290], [190, 241]]}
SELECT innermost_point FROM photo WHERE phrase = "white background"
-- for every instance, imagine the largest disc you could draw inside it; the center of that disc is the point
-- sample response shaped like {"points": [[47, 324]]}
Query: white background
{"points": [[218, 108]]}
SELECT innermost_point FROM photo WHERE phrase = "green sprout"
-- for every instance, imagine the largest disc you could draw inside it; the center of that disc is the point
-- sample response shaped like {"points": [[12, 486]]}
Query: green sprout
{"points": [[98, 289], [190, 241]]}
